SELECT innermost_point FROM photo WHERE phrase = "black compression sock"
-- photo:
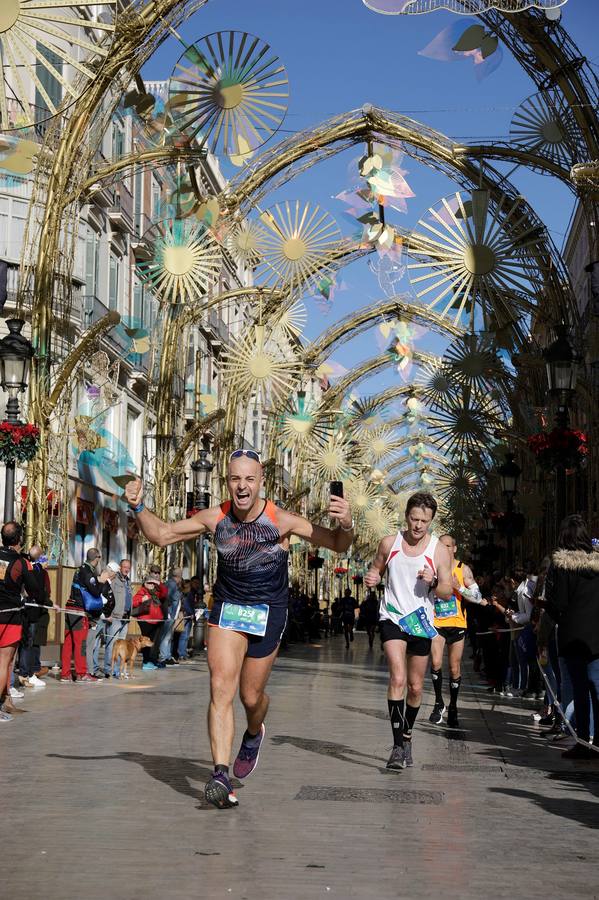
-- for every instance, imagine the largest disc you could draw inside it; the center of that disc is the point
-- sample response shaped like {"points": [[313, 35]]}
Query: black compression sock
{"points": [[411, 713], [223, 770], [437, 677], [454, 690], [396, 714]]}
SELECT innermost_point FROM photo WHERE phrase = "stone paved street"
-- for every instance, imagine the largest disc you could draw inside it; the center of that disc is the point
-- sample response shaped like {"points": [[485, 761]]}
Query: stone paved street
{"points": [[102, 795]]}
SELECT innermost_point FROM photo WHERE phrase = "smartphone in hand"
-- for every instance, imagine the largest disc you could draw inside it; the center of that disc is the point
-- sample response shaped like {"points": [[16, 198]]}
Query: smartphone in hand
{"points": [[336, 489]]}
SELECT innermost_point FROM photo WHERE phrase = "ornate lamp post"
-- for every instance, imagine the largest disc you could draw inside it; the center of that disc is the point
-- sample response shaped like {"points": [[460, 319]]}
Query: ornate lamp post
{"points": [[509, 473], [16, 353], [562, 370], [201, 470]]}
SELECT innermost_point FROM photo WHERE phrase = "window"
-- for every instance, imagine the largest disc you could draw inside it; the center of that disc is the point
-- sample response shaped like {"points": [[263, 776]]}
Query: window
{"points": [[92, 262], [138, 191], [133, 442], [106, 543], [118, 141], [49, 86], [156, 198], [113, 282]]}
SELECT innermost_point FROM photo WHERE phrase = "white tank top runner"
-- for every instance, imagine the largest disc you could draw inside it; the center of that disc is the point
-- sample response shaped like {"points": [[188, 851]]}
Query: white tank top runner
{"points": [[407, 601]]}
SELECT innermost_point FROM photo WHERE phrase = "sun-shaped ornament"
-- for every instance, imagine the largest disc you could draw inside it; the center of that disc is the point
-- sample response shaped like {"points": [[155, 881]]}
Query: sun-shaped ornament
{"points": [[297, 245], [377, 443], [435, 383], [544, 124], [291, 321], [472, 362], [50, 52], [229, 91], [465, 425], [471, 259], [381, 520], [361, 494], [458, 481], [185, 263], [243, 241], [333, 460], [300, 424], [252, 363]]}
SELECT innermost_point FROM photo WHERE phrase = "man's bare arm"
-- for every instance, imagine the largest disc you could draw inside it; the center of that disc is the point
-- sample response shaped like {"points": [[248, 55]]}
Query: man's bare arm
{"points": [[338, 540], [444, 588], [160, 533], [377, 569]]}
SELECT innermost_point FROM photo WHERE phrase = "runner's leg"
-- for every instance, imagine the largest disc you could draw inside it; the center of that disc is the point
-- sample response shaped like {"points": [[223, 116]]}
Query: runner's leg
{"points": [[226, 653], [437, 647], [254, 677], [454, 654], [416, 670], [395, 651]]}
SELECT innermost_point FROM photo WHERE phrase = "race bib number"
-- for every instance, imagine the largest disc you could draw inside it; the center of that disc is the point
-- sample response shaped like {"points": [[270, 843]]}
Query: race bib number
{"points": [[446, 609], [417, 624], [249, 618], [3, 570]]}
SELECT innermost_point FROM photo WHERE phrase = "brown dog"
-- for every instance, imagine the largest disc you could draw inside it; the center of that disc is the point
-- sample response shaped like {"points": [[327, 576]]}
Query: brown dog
{"points": [[125, 652]]}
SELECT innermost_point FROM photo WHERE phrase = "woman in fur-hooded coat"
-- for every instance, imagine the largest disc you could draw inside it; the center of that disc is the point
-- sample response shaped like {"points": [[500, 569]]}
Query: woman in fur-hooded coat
{"points": [[572, 599]]}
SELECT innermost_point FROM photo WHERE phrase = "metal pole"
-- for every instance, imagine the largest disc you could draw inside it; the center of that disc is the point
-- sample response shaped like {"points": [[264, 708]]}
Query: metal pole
{"points": [[12, 416], [510, 540]]}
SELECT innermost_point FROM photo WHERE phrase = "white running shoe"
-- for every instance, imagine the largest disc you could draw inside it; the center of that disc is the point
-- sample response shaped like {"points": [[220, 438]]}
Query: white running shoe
{"points": [[35, 682], [15, 694]]}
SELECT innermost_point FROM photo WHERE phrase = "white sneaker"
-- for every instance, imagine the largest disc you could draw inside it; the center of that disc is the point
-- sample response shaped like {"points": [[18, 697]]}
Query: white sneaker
{"points": [[35, 682], [14, 694]]}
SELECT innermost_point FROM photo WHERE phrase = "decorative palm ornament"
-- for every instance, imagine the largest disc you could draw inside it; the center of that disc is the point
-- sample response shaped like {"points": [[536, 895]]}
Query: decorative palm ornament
{"points": [[185, 263], [377, 443], [544, 123], [300, 424], [463, 7], [297, 245], [458, 482], [45, 39], [291, 321], [472, 362], [242, 242], [361, 494], [469, 253], [332, 461], [465, 424], [251, 363], [435, 383], [229, 91], [380, 520]]}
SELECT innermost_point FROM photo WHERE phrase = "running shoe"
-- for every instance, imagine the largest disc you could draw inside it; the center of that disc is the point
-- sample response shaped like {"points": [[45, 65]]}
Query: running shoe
{"points": [[396, 761], [452, 717], [15, 694], [149, 667], [546, 720], [89, 679], [219, 791], [5, 717], [407, 754], [436, 717], [249, 753]]}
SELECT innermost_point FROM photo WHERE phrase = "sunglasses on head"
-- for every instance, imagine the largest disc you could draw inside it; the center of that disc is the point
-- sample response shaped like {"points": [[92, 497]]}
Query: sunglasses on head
{"points": [[251, 454]]}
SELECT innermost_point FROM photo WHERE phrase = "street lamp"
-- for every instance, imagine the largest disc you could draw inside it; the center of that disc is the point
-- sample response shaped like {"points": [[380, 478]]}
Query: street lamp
{"points": [[16, 353], [561, 365], [562, 370], [509, 474]]}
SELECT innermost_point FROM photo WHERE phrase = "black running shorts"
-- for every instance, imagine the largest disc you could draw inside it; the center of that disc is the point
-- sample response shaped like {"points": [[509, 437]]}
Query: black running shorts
{"points": [[452, 635], [417, 646], [259, 647]]}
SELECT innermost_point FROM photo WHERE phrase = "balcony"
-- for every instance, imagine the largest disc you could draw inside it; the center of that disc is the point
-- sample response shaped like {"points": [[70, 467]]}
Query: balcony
{"points": [[93, 311], [214, 330], [119, 217]]}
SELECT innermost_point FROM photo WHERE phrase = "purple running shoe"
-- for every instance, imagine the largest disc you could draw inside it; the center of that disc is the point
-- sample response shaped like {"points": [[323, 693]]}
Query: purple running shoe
{"points": [[219, 791], [249, 753]]}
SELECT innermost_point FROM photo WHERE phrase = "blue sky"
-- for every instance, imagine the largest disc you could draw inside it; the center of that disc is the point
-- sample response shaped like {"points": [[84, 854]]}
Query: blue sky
{"points": [[340, 55]]}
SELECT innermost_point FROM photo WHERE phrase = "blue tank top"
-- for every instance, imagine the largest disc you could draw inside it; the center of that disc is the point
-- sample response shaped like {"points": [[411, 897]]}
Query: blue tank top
{"points": [[252, 564]]}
